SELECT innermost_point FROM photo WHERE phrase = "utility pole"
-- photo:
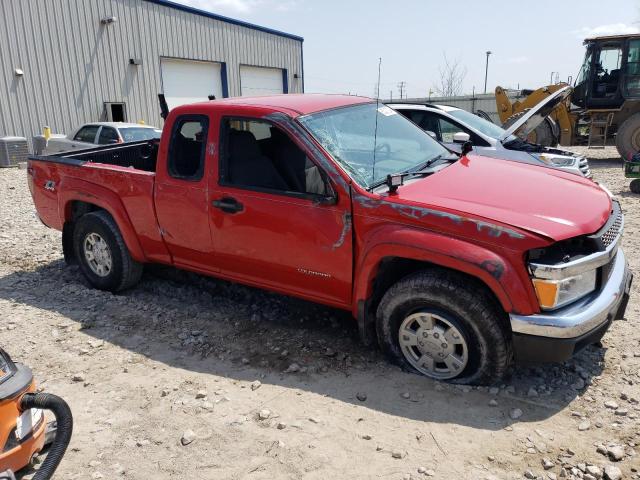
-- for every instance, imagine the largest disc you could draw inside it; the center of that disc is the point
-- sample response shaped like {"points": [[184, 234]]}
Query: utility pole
{"points": [[473, 99], [402, 87], [486, 71]]}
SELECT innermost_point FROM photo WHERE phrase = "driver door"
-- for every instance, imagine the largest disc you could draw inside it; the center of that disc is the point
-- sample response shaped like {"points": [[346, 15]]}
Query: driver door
{"points": [[276, 220]]}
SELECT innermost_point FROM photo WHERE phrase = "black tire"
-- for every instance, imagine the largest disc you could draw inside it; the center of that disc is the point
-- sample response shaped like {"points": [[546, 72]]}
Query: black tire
{"points": [[124, 271], [465, 305], [628, 137], [635, 185]]}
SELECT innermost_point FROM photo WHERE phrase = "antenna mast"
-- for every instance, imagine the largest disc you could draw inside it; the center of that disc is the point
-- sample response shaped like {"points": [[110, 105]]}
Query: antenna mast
{"points": [[375, 133]]}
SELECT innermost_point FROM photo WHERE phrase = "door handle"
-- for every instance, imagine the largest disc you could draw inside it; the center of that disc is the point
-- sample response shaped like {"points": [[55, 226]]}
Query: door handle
{"points": [[228, 205]]}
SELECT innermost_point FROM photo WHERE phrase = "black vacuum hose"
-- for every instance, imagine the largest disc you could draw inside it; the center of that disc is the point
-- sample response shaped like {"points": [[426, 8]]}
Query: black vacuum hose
{"points": [[64, 419]]}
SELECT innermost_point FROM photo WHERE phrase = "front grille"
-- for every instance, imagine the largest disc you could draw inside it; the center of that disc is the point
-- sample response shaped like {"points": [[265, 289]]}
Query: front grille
{"points": [[583, 165], [610, 232], [613, 231]]}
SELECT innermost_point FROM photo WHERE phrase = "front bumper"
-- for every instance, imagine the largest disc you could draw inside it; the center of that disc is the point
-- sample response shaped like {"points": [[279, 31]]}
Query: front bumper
{"points": [[557, 335]]}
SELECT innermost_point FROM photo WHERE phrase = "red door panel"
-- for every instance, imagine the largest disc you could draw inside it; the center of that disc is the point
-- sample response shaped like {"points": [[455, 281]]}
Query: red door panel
{"points": [[285, 242]]}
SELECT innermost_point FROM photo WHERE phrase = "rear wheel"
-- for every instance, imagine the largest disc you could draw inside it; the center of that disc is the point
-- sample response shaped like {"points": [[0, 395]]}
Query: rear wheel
{"points": [[635, 185], [102, 254], [441, 325], [628, 137]]}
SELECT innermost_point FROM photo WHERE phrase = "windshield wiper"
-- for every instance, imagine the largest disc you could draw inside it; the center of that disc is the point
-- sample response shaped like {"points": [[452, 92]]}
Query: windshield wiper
{"points": [[420, 169]]}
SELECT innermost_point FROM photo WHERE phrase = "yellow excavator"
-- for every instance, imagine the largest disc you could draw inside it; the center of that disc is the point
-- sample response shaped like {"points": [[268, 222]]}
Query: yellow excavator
{"points": [[604, 106]]}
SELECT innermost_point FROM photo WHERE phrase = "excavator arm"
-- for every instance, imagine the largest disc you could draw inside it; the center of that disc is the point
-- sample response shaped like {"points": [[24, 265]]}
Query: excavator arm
{"points": [[561, 115]]}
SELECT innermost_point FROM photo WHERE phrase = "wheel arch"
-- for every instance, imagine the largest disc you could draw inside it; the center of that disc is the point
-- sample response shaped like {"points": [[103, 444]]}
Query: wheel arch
{"points": [[80, 198], [385, 264]]}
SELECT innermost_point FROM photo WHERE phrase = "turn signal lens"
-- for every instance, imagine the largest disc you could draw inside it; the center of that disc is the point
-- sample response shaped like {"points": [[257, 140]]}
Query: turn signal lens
{"points": [[547, 292], [558, 293]]}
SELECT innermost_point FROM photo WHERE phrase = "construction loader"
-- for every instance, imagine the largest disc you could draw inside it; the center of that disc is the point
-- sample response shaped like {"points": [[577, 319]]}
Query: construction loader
{"points": [[604, 106]]}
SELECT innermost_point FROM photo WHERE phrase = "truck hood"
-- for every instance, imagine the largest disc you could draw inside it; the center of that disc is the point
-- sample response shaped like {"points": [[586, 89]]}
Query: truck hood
{"points": [[540, 200], [535, 115]]}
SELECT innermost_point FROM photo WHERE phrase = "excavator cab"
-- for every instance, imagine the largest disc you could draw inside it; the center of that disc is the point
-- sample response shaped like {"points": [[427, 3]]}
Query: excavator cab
{"points": [[606, 92], [610, 73]]}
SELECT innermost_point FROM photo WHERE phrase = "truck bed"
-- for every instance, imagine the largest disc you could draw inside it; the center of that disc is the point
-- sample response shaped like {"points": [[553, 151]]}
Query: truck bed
{"points": [[138, 155], [121, 175]]}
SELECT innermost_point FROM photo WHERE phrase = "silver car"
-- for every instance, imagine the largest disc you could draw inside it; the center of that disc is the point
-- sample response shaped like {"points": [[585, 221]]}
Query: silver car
{"points": [[100, 133], [453, 127]]}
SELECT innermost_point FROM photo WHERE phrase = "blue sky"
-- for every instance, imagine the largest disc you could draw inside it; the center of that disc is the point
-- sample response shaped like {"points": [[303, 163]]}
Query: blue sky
{"points": [[343, 39]]}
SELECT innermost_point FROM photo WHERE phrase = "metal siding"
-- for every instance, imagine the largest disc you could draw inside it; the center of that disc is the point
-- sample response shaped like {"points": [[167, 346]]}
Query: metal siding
{"points": [[73, 64]]}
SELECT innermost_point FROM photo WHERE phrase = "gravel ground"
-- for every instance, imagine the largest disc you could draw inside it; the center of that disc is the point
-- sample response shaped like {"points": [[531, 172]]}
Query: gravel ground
{"points": [[189, 377]]}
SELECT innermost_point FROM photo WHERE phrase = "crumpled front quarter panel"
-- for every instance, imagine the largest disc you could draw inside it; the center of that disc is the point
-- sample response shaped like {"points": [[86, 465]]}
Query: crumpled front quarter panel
{"points": [[492, 252]]}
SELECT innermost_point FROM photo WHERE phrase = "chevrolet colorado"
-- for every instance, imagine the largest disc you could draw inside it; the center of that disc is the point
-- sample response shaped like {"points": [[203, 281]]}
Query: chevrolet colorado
{"points": [[455, 265]]}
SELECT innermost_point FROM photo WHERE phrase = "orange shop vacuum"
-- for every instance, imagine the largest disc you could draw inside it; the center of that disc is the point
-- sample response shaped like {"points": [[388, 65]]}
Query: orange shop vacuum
{"points": [[23, 430]]}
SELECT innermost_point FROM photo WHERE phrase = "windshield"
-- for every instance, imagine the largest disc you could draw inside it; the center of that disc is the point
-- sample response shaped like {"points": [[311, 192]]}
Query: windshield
{"points": [[483, 126], [135, 134], [349, 135]]}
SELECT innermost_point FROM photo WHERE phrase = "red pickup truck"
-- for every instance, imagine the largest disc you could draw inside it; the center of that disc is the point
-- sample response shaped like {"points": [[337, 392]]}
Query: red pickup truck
{"points": [[454, 264]]}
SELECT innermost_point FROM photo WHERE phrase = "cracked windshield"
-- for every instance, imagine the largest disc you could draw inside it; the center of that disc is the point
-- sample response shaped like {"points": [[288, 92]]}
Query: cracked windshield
{"points": [[354, 138]]}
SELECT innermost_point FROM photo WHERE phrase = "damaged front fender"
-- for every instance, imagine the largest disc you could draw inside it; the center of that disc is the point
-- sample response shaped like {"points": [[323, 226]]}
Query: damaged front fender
{"points": [[498, 272]]}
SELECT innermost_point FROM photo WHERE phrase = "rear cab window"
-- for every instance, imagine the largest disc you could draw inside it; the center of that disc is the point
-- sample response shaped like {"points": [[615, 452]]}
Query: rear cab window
{"points": [[187, 148]]}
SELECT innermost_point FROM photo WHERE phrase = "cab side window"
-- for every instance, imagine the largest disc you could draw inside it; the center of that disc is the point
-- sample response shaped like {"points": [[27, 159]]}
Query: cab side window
{"points": [[257, 154], [87, 134], [447, 130], [187, 147], [427, 121]]}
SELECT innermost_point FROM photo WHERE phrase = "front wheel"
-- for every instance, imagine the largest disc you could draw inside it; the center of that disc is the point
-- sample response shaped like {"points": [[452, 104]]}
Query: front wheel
{"points": [[635, 185], [441, 325], [102, 254]]}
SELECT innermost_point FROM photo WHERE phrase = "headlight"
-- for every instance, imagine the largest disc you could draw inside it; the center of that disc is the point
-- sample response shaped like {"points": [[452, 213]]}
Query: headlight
{"points": [[557, 160], [558, 293], [7, 367]]}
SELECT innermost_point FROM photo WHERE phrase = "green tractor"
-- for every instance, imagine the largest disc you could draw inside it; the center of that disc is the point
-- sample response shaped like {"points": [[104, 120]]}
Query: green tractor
{"points": [[632, 170]]}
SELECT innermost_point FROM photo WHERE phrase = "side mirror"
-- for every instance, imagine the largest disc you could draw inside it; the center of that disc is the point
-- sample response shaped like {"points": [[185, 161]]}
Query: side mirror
{"points": [[461, 137], [432, 134]]}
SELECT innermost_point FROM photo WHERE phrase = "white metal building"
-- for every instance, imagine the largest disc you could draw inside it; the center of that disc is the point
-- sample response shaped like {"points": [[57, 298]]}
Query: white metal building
{"points": [[67, 62]]}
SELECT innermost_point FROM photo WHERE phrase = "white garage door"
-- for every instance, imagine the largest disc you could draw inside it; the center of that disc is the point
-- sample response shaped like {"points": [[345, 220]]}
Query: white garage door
{"points": [[188, 81], [260, 81]]}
